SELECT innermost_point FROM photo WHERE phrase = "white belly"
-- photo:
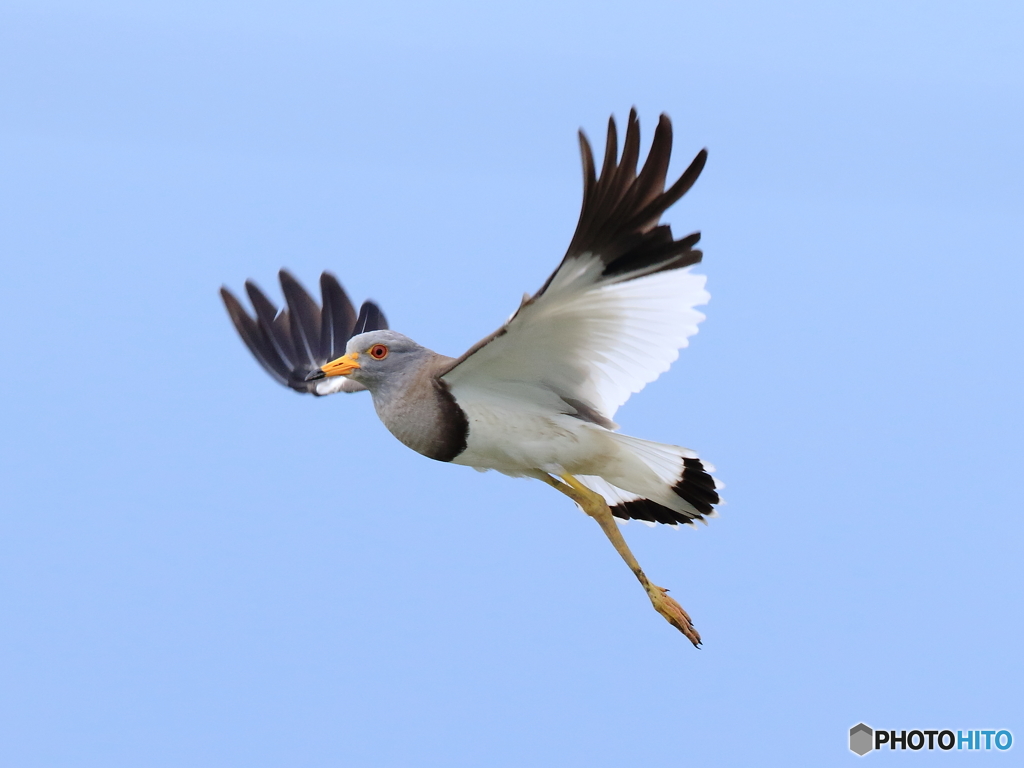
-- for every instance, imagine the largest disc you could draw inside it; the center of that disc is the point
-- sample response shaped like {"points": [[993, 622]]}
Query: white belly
{"points": [[505, 437]]}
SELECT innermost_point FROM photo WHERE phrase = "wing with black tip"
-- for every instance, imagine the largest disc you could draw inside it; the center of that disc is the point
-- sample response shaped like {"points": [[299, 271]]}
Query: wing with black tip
{"points": [[620, 306], [293, 342]]}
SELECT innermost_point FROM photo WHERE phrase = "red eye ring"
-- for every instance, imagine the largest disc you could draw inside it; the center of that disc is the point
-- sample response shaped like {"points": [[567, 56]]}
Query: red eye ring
{"points": [[378, 351]]}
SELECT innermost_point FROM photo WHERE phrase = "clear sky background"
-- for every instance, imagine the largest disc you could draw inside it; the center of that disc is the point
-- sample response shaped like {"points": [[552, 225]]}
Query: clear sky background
{"points": [[198, 567]]}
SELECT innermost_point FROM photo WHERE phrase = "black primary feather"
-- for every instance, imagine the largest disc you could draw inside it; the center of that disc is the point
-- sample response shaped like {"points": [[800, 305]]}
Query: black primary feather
{"points": [[620, 212], [293, 342], [255, 338], [304, 318], [370, 319], [337, 319], [275, 326]]}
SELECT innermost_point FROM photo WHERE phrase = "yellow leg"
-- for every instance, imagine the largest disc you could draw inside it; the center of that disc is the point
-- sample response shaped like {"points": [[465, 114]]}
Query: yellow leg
{"points": [[594, 505]]}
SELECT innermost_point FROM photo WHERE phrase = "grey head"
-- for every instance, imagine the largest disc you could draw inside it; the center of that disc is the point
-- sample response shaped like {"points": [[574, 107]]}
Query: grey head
{"points": [[385, 362], [407, 394]]}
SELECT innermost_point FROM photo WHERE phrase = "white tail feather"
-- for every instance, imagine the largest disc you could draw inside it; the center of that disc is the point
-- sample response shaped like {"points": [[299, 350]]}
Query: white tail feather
{"points": [[656, 472]]}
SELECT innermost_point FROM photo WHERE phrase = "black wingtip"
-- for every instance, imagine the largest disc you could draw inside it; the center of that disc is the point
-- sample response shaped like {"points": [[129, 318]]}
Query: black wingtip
{"points": [[337, 318], [611, 150], [621, 210], [371, 318], [699, 161], [292, 343]]}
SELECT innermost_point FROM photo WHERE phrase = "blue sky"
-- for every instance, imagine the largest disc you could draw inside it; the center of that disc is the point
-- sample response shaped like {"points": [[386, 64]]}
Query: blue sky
{"points": [[198, 567]]}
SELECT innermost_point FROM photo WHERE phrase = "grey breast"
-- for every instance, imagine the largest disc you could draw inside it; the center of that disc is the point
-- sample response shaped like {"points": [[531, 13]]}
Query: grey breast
{"points": [[419, 410]]}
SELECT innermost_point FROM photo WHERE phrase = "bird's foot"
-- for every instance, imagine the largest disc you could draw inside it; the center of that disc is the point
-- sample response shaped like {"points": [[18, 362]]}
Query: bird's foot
{"points": [[673, 612]]}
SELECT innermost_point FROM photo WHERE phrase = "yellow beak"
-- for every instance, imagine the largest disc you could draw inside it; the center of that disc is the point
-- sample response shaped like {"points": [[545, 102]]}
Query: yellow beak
{"points": [[343, 366]]}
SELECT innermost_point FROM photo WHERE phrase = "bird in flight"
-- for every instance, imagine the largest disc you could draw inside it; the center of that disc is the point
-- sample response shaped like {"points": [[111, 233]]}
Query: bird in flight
{"points": [[537, 397]]}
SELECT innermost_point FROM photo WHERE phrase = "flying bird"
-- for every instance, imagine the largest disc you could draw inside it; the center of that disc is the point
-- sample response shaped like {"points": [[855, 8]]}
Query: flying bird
{"points": [[537, 397]]}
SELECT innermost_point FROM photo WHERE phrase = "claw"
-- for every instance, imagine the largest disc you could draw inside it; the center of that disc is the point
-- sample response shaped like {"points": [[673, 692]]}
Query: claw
{"points": [[594, 505], [673, 613]]}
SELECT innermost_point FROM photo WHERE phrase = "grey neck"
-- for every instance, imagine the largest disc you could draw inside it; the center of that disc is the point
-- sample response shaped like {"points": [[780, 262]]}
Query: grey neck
{"points": [[418, 409]]}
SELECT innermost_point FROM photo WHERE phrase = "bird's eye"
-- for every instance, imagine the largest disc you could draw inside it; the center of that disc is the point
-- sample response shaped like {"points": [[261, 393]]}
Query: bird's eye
{"points": [[378, 351]]}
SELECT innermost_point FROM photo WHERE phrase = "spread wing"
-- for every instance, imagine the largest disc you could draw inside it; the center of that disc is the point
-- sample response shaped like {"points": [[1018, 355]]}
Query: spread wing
{"points": [[615, 313], [297, 340]]}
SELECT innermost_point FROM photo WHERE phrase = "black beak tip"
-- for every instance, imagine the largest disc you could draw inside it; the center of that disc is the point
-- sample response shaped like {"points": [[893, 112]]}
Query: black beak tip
{"points": [[315, 375]]}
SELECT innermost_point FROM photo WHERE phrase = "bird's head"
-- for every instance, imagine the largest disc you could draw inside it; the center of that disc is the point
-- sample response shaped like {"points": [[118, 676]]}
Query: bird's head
{"points": [[374, 358]]}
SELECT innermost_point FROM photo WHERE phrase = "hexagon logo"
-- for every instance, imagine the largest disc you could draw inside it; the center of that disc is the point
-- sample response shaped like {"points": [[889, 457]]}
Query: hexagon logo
{"points": [[861, 739]]}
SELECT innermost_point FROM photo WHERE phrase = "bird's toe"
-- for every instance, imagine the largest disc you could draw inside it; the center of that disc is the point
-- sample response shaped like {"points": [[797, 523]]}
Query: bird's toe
{"points": [[673, 613]]}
